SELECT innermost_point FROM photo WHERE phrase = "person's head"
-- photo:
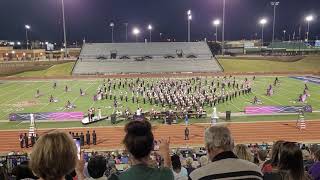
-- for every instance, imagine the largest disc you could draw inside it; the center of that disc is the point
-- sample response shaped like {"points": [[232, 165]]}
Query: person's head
{"points": [[291, 160], [138, 139], [176, 163], [97, 165], [275, 153], [317, 156], [189, 162], [23, 171], [306, 154], [203, 160], [243, 152], [262, 155], [313, 149], [218, 139], [53, 156]]}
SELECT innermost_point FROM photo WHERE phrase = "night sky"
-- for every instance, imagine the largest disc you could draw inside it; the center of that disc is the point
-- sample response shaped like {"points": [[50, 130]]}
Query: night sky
{"points": [[91, 18]]}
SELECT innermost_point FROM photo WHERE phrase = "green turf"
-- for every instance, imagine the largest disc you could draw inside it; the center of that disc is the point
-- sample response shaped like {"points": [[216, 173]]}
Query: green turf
{"points": [[54, 71], [18, 96], [311, 63]]}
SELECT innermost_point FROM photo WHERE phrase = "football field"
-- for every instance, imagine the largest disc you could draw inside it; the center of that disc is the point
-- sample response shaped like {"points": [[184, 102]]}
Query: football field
{"points": [[20, 97]]}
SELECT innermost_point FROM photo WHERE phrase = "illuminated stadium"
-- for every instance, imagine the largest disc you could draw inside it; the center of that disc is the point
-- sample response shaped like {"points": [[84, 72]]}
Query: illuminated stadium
{"points": [[183, 94]]}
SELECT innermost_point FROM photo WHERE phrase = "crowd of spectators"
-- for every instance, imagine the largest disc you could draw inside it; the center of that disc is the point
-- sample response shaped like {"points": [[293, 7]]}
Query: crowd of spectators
{"points": [[55, 157]]}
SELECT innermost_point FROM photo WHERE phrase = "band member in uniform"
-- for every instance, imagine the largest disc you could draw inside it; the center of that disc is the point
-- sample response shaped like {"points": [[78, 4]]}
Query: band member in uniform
{"points": [[26, 140], [81, 139], [94, 138], [21, 140], [33, 140], [186, 133], [54, 85], [88, 138]]}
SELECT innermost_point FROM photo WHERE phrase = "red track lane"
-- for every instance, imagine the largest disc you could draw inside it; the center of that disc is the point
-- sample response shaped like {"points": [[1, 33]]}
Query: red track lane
{"points": [[109, 138]]}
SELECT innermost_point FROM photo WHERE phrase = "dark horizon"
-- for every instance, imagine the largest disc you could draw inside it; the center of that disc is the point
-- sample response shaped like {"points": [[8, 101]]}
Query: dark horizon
{"points": [[90, 19]]}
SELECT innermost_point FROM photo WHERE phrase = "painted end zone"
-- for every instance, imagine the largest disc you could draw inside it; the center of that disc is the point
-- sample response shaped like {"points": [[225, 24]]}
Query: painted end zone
{"points": [[276, 109], [313, 79], [54, 116]]}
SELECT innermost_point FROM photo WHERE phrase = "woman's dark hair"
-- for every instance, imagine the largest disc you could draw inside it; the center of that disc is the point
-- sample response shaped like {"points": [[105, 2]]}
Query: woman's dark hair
{"points": [[275, 153], [176, 163], [291, 160], [97, 165], [23, 171], [139, 138]]}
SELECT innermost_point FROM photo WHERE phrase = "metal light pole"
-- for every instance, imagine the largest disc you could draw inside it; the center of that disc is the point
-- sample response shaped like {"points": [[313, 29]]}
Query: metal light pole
{"points": [[189, 23], [216, 23], [223, 23], [274, 4], [309, 19], [150, 29], [64, 30], [27, 27], [112, 28], [126, 24], [263, 21], [284, 35]]}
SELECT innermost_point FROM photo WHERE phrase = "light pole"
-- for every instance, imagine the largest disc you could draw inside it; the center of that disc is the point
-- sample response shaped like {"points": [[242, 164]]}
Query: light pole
{"points": [[126, 24], [309, 19], [262, 22], [150, 29], [284, 35], [223, 23], [27, 27], [136, 32], [216, 23], [112, 28], [274, 4], [64, 30], [189, 23]]}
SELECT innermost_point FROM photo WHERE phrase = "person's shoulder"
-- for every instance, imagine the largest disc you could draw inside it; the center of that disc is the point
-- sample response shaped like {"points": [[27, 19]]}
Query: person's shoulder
{"points": [[166, 172]]}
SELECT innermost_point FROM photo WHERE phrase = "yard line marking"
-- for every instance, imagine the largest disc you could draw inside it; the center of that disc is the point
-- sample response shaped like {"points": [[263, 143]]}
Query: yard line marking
{"points": [[25, 92]]}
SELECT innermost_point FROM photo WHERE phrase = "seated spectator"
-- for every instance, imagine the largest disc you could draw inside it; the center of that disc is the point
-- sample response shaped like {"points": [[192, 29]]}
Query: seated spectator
{"points": [[243, 152], [138, 142], [189, 165], [313, 149], [54, 156], [23, 171], [97, 165], [179, 172], [272, 164], [203, 161], [315, 168], [3, 173], [262, 157], [224, 164], [290, 164]]}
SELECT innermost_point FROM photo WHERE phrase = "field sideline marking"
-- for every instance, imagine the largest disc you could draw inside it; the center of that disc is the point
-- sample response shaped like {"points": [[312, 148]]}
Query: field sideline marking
{"points": [[182, 124]]}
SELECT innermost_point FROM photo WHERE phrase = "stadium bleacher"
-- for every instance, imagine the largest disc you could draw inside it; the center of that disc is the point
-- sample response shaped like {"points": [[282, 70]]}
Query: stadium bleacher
{"points": [[108, 58]]}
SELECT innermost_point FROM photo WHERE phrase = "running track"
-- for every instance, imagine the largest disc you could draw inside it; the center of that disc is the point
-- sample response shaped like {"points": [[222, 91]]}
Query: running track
{"points": [[109, 138]]}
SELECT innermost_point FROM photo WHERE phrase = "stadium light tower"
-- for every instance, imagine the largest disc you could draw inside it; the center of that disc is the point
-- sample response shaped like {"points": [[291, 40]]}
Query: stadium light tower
{"points": [[274, 4], [284, 34], [64, 30], [112, 28], [223, 23], [216, 23], [27, 27], [136, 32], [150, 30], [262, 22], [309, 19], [189, 15]]}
